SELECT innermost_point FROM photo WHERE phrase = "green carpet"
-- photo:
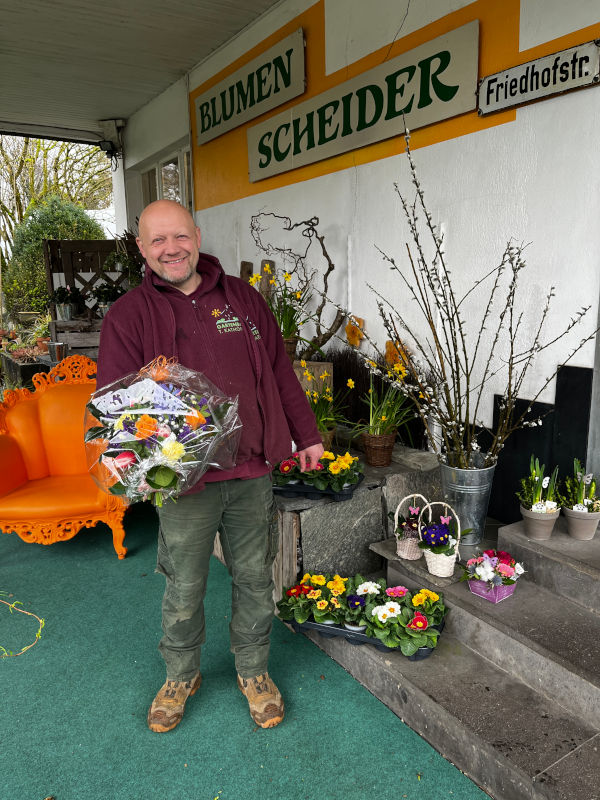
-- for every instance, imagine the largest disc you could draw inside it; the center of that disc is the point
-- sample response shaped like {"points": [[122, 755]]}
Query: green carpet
{"points": [[73, 711]]}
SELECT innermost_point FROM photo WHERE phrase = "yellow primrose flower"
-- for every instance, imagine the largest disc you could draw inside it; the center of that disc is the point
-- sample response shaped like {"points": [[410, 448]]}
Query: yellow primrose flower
{"points": [[314, 594], [287, 277], [337, 591], [267, 269], [350, 383], [319, 580], [322, 605], [431, 595], [418, 599], [334, 468], [328, 455], [335, 602], [254, 279], [172, 450], [305, 577]]}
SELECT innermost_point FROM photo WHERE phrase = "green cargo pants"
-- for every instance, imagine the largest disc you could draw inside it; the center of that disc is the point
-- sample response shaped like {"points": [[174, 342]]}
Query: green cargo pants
{"points": [[244, 513]]}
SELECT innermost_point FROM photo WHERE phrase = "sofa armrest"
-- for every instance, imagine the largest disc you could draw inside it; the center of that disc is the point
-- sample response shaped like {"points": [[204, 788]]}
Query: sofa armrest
{"points": [[12, 466]]}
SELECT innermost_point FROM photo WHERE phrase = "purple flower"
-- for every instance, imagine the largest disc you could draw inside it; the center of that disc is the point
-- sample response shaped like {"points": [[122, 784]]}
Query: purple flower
{"points": [[355, 600], [436, 534]]}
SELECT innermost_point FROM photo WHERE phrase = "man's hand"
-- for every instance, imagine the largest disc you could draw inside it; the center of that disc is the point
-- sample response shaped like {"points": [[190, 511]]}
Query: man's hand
{"points": [[310, 457]]}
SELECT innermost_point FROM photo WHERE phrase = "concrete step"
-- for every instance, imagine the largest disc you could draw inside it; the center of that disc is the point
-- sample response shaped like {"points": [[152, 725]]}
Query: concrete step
{"points": [[539, 637], [564, 565], [513, 741]]}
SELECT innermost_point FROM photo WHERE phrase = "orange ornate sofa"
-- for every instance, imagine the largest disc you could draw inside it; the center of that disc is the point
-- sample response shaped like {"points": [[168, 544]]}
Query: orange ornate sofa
{"points": [[46, 493]]}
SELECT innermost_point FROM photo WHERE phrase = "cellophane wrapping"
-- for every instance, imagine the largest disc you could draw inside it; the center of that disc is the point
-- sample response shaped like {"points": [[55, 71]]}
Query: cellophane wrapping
{"points": [[152, 434]]}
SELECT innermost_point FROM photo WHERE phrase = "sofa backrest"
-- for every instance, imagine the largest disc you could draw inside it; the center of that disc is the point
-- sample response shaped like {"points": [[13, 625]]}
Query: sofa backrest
{"points": [[47, 424]]}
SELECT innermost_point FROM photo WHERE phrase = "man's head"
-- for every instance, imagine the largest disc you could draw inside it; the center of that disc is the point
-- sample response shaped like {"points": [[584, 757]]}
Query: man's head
{"points": [[169, 241]]}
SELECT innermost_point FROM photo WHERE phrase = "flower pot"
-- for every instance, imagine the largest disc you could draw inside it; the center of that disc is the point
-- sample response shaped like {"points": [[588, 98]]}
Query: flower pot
{"points": [[291, 343], [327, 438], [581, 524], [350, 626], [422, 652], [64, 311], [408, 549], [538, 526], [495, 594], [42, 344], [440, 564], [378, 448], [468, 491]]}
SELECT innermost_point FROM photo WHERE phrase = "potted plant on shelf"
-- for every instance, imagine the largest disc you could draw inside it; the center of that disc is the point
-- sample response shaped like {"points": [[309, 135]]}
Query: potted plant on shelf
{"points": [[389, 411], [67, 300], [317, 596], [335, 476], [406, 528], [579, 503], [39, 335], [492, 575], [439, 540], [327, 407], [539, 501], [105, 294]]}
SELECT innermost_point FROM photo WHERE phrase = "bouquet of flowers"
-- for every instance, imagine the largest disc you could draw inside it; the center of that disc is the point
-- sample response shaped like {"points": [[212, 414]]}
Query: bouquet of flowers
{"points": [[494, 568], [153, 434]]}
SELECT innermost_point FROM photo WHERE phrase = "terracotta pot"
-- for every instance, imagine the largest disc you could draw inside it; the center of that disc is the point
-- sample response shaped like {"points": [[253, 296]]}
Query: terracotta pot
{"points": [[538, 526], [327, 438], [291, 343], [378, 448], [581, 524], [42, 344]]}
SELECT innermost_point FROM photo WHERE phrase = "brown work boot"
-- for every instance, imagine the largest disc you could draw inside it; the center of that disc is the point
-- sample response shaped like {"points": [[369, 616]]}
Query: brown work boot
{"points": [[264, 699], [167, 707]]}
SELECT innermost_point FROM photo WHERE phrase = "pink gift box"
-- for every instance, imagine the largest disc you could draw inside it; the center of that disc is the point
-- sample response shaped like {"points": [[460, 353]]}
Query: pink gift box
{"points": [[495, 594]]}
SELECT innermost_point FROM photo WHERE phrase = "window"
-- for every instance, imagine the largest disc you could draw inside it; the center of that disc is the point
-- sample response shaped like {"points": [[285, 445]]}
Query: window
{"points": [[171, 179]]}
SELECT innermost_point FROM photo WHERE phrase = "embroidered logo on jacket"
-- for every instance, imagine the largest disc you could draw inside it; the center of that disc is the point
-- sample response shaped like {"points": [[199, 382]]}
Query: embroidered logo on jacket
{"points": [[228, 322]]}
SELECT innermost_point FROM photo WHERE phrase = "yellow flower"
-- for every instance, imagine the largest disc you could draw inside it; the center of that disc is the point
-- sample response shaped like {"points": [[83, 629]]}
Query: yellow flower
{"points": [[383, 417], [322, 605], [314, 594], [335, 602], [303, 363], [324, 375], [287, 277], [267, 269], [372, 364], [431, 595], [418, 599], [298, 295], [307, 375], [350, 383], [121, 420], [318, 580], [305, 578], [334, 468], [254, 279], [172, 450], [216, 313], [272, 281], [328, 455]]}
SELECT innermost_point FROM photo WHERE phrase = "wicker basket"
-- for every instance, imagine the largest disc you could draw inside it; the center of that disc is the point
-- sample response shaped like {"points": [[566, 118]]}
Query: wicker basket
{"points": [[407, 548], [378, 448], [437, 563]]}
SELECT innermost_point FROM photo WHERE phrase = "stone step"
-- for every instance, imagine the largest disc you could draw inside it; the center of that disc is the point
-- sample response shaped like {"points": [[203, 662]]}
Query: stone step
{"points": [[564, 565], [513, 741], [539, 637]]}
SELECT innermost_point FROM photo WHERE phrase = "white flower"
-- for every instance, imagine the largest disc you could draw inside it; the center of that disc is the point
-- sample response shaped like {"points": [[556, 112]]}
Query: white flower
{"points": [[485, 571], [545, 483], [368, 587], [387, 611], [588, 478]]}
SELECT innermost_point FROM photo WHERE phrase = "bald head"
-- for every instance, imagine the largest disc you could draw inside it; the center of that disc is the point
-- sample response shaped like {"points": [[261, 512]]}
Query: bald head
{"points": [[169, 241]]}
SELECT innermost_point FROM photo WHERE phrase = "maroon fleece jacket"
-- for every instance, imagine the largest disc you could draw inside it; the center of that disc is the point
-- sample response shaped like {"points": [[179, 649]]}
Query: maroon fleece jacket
{"points": [[226, 331]]}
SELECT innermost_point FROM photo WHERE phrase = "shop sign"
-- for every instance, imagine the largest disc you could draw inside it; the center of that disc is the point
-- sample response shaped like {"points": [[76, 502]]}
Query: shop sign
{"points": [[435, 81], [264, 83], [560, 72]]}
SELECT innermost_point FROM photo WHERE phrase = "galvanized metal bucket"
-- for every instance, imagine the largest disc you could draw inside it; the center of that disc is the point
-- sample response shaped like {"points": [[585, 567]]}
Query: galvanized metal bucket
{"points": [[468, 491]]}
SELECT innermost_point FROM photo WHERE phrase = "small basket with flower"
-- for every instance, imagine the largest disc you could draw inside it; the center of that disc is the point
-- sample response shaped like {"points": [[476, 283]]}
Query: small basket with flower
{"points": [[406, 529], [439, 540], [492, 575]]}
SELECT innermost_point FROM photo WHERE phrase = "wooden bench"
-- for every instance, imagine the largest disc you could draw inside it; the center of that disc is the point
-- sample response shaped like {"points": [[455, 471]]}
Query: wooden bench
{"points": [[46, 493]]}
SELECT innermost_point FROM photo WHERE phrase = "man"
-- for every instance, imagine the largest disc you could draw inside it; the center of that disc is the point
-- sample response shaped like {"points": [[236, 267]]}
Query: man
{"points": [[178, 311]]}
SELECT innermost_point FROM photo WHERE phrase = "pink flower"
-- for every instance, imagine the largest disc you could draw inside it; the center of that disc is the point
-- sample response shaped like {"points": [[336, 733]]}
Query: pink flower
{"points": [[505, 570], [125, 459], [163, 430], [396, 591]]}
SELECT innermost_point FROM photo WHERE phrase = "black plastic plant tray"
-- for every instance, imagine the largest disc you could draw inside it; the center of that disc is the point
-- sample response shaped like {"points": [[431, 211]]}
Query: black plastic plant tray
{"points": [[310, 492], [356, 638]]}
